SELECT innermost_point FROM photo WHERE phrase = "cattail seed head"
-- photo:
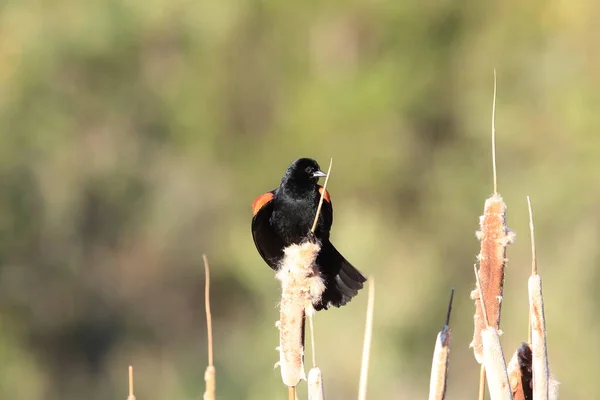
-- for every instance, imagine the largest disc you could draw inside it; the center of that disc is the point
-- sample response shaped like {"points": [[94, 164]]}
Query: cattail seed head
{"points": [[494, 236], [301, 286]]}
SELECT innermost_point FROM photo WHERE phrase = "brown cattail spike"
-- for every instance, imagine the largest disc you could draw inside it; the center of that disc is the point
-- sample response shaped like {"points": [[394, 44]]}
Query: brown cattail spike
{"points": [[494, 236]]}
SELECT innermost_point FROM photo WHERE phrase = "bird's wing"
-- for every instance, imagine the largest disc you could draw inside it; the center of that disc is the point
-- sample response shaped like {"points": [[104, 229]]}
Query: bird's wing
{"points": [[268, 244]]}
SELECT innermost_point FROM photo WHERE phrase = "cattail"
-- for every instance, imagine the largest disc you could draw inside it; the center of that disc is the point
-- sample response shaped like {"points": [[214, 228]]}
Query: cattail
{"points": [[301, 285], [441, 359], [315, 384], [541, 371], [210, 372], [131, 396], [494, 237]]}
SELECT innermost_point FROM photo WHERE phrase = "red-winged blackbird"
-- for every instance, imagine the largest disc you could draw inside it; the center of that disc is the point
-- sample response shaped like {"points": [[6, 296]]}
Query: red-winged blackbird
{"points": [[285, 215]]}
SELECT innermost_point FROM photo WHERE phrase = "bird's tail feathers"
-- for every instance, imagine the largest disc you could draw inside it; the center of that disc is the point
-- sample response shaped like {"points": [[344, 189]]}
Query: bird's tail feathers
{"points": [[343, 280]]}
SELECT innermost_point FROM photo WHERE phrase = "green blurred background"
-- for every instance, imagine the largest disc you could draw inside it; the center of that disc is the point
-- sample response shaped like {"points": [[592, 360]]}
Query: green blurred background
{"points": [[136, 134]]}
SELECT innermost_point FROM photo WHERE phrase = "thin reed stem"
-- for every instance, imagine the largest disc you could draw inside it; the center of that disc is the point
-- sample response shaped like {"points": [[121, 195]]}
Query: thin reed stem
{"points": [[364, 369], [314, 226], [481, 383], [210, 372], [312, 339], [494, 137], [534, 267], [131, 395], [207, 308]]}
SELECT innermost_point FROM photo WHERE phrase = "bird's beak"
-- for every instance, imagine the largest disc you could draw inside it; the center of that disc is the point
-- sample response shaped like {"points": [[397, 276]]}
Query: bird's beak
{"points": [[319, 174]]}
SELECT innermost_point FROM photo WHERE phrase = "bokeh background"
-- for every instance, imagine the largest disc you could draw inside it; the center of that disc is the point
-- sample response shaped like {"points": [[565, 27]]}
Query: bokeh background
{"points": [[136, 134]]}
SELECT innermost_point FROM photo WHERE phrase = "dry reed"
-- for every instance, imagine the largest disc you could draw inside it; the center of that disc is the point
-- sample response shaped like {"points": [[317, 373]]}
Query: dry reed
{"points": [[131, 395], [366, 354], [210, 372]]}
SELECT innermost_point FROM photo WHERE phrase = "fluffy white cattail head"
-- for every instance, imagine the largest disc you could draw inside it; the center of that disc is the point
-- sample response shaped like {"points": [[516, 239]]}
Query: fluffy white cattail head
{"points": [[301, 286]]}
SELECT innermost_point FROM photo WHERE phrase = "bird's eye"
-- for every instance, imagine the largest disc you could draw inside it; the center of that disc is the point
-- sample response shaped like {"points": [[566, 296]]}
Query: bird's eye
{"points": [[308, 170]]}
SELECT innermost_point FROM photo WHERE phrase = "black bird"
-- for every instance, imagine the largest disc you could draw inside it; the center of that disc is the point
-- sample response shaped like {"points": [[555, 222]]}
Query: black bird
{"points": [[285, 215]]}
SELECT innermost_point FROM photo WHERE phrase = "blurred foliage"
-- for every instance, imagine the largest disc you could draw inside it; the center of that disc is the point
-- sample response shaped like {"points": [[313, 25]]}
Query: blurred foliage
{"points": [[135, 135]]}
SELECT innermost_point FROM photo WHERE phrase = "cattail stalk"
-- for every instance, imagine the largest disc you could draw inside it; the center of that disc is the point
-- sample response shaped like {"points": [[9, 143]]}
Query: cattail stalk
{"points": [[210, 372], [494, 236], [131, 396], [366, 355], [315, 376], [441, 359]]}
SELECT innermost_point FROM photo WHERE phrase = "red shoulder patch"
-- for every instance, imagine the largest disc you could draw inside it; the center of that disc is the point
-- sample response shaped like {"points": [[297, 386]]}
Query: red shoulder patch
{"points": [[326, 196], [260, 201]]}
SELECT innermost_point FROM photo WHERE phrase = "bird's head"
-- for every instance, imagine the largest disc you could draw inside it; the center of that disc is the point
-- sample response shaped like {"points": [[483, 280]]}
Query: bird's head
{"points": [[304, 171]]}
